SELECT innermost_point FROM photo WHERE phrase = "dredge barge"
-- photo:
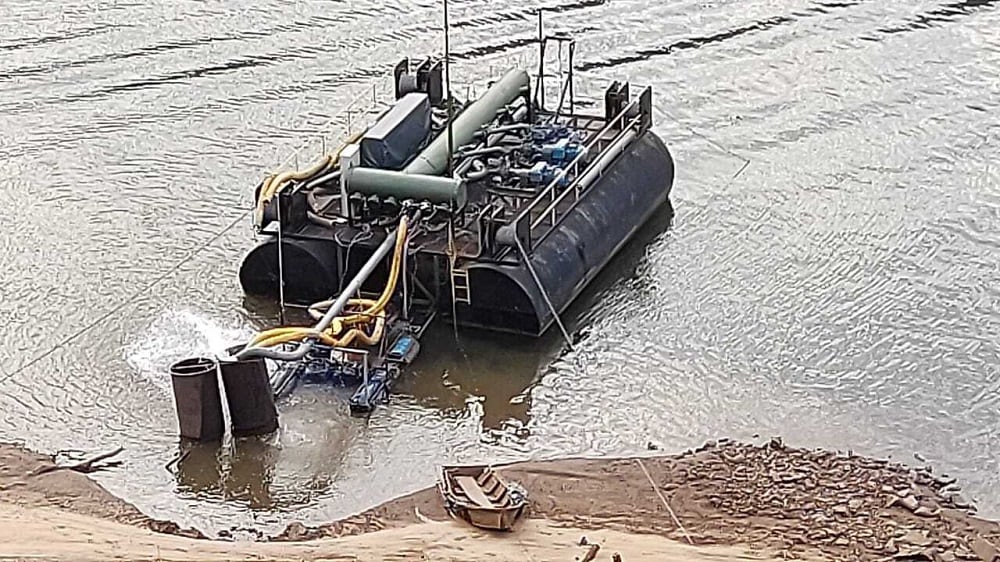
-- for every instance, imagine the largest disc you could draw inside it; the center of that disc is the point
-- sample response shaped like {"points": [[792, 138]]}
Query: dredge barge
{"points": [[533, 193], [493, 212]]}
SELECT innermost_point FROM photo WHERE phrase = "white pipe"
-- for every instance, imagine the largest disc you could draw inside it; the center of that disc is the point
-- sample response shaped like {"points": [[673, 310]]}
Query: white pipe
{"points": [[609, 155]]}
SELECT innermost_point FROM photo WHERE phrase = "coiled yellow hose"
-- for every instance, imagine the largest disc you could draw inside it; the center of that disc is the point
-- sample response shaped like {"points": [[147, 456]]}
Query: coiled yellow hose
{"points": [[275, 183], [364, 313]]}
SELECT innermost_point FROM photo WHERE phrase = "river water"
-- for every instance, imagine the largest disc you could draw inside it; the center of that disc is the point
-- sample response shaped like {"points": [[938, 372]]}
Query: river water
{"points": [[832, 274]]}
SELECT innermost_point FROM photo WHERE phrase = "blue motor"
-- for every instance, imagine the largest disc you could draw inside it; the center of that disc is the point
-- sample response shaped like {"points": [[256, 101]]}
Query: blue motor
{"points": [[543, 173], [574, 149], [404, 350], [554, 152]]}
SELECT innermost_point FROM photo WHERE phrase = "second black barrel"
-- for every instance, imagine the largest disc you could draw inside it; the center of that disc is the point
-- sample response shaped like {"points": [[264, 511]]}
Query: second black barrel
{"points": [[249, 395]]}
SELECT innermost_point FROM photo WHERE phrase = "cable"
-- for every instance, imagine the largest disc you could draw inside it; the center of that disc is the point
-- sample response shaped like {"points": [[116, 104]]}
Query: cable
{"points": [[706, 138], [746, 161], [664, 501], [357, 238], [541, 289], [117, 308]]}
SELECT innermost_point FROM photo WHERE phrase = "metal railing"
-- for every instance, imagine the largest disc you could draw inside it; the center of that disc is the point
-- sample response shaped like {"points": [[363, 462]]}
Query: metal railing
{"points": [[553, 195]]}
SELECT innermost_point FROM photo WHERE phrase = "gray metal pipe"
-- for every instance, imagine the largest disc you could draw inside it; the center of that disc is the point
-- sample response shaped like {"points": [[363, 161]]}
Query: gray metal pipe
{"points": [[494, 138], [508, 128], [609, 155], [335, 309], [436, 189], [329, 177], [434, 159], [488, 150]]}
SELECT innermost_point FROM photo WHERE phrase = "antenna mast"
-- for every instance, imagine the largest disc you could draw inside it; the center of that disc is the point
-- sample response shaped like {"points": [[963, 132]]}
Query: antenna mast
{"points": [[540, 85], [447, 90]]}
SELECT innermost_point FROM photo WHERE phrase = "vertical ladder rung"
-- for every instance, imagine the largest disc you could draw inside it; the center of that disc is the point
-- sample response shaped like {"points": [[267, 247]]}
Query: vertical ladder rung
{"points": [[460, 290]]}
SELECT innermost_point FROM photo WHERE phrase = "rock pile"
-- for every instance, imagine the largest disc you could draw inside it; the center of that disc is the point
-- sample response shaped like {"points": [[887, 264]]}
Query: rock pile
{"points": [[815, 499], [770, 497]]}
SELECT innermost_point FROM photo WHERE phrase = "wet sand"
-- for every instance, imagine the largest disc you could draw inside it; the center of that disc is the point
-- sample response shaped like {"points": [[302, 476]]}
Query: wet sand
{"points": [[733, 502]]}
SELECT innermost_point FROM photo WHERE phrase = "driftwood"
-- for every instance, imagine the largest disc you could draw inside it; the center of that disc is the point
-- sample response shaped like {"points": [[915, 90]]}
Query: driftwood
{"points": [[86, 467], [591, 553], [176, 461]]}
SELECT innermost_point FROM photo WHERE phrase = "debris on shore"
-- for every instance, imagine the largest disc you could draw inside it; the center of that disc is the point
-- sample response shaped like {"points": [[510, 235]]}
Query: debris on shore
{"points": [[839, 504], [792, 500], [779, 501]]}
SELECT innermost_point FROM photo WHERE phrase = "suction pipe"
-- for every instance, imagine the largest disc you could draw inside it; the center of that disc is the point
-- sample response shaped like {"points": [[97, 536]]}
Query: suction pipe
{"points": [[380, 253]]}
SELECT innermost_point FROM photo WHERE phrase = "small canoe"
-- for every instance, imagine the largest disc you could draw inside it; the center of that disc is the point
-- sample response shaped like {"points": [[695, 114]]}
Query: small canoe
{"points": [[479, 495]]}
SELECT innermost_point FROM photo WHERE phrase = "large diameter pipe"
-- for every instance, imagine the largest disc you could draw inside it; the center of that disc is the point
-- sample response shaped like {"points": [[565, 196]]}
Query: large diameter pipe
{"points": [[388, 183], [434, 159], [380, 253]]}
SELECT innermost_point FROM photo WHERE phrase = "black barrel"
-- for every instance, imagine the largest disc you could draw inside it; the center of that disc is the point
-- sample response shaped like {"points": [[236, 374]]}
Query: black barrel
{"points": [[249, 395], [196, 395]]}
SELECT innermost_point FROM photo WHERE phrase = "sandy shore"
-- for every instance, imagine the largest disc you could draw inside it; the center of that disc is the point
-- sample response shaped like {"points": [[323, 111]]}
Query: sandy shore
{"points": [[733, 502], [53, 534]]}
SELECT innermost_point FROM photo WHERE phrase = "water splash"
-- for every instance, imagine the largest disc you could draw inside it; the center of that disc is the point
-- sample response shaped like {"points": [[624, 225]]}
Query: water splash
{"points": [[175, 335]]}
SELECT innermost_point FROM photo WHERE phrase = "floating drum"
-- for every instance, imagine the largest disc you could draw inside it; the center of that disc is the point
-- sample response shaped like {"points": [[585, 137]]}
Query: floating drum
{"points": [[196, 395], [249, 395]]}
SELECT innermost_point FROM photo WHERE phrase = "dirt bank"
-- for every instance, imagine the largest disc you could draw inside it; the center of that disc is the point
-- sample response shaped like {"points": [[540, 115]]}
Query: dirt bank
{"points": [[734, 502], [29, 479], [52, 534], [794, 501]]}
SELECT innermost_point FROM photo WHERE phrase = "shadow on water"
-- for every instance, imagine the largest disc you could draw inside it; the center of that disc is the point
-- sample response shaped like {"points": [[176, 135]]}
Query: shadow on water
{"points": [[241, 470], [495, 372], [498, 370], [621, 267], [259, 472]]}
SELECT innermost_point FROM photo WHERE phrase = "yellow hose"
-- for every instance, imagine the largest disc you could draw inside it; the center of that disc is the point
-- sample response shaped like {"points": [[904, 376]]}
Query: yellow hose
{"points": [[275, 183], [370, 311]]}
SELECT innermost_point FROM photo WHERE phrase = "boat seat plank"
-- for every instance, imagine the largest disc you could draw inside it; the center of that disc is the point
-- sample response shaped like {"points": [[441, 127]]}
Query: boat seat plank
{"points": [[488, 484], [493, 489], [485, 477], [472, 490]]}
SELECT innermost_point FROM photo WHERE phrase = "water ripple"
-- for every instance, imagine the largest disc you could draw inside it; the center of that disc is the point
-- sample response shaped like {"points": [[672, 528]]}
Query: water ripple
{"points": [[832, 273]]}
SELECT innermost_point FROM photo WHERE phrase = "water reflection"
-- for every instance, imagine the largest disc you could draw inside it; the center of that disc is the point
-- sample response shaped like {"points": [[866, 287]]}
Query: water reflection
{"points": [[495, 372], [284, 470], [239, 470]]}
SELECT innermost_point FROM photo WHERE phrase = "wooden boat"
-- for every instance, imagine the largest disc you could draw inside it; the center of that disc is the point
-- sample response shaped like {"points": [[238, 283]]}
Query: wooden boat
{"points": [[479, 495]]}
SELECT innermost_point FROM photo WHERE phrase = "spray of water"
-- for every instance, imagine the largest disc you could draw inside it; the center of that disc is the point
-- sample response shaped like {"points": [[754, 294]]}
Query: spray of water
{"points": [[178, 334]]}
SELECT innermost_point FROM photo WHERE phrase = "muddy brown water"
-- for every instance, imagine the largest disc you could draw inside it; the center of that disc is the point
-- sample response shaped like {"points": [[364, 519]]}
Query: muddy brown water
{"points": [[832, 273]]}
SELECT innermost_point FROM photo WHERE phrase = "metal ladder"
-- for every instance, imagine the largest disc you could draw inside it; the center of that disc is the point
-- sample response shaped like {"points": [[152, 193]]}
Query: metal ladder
{"points": [[460, 291]]}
